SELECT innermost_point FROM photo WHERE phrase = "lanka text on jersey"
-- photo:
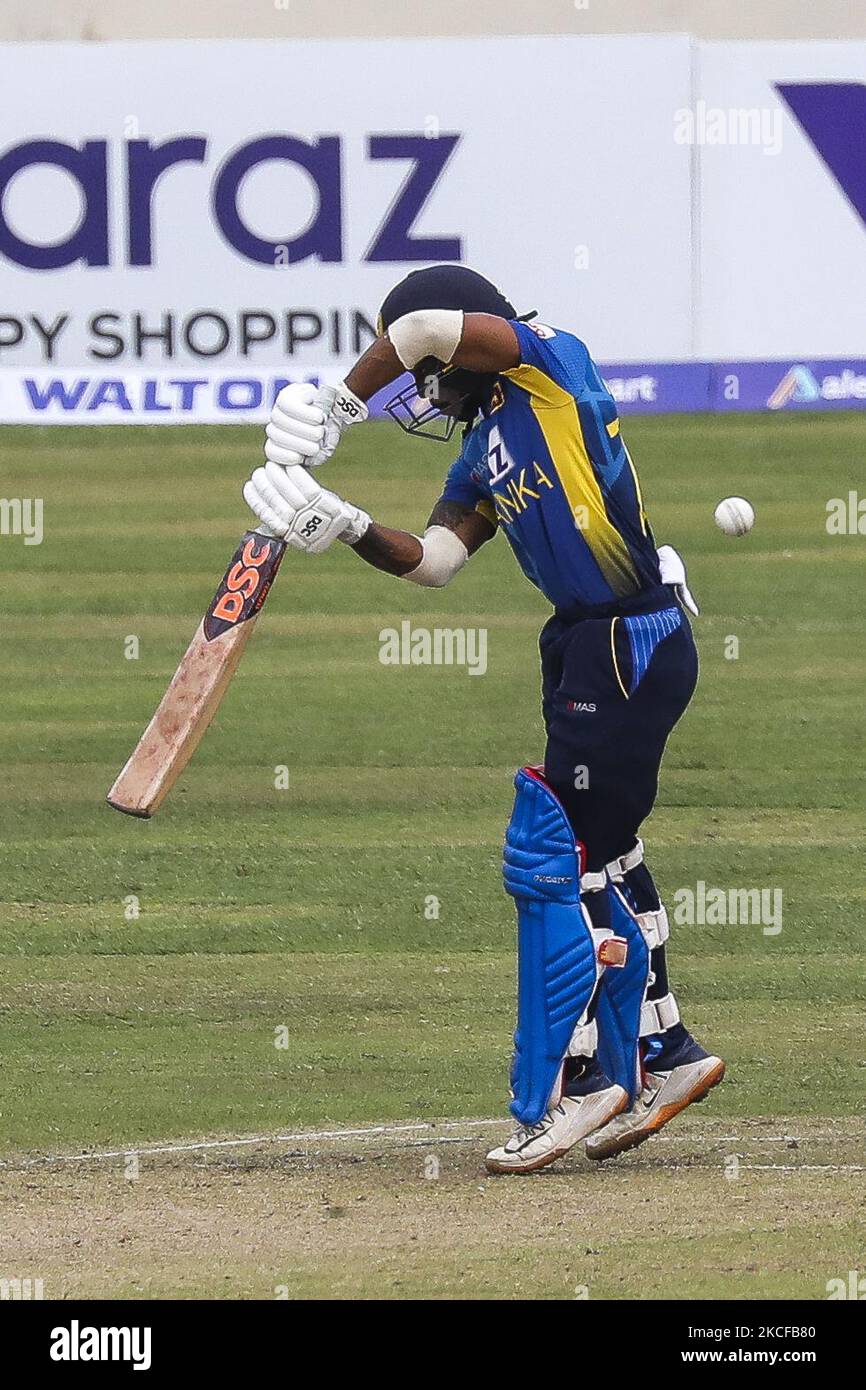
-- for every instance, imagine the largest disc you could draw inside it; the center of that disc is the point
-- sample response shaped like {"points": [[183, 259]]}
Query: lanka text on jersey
{"points": [[549, 465]]}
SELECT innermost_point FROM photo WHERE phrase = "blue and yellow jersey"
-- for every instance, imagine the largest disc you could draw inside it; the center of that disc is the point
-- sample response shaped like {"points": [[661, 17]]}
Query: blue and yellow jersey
{"points": [[548, 464]]}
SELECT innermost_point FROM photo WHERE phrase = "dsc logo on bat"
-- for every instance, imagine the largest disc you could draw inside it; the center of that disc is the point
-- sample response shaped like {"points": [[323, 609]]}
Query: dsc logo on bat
{"points": [[245, 583], [241, 581]]}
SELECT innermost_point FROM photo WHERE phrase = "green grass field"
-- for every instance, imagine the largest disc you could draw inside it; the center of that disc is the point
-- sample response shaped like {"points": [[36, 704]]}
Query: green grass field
{"points": [[304, 909]]}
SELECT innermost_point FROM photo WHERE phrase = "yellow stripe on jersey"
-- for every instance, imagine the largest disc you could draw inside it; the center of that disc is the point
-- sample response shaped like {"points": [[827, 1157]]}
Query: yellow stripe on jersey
{"points": [[543, 390], [613, 428], [556, 411], [614, 659]]}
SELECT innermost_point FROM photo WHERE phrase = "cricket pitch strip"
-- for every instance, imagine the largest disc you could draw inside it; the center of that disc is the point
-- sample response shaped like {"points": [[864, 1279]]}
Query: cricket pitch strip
{"points": [[710, 1209]]}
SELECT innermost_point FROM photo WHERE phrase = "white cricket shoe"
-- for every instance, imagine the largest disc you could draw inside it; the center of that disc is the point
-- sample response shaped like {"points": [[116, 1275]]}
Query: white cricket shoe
{"points": [[534, 1146], [665, 1094]]}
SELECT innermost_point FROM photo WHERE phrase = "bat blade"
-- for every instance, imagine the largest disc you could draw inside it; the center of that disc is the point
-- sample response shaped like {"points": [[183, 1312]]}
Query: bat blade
{"points": [[200, 681]]}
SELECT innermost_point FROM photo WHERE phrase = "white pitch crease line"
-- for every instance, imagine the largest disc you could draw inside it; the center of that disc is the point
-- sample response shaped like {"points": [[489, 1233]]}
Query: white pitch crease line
{"points": [[805, 1167], [759, 1168], [380, 1131], [307, 1135], [816, 1135]]}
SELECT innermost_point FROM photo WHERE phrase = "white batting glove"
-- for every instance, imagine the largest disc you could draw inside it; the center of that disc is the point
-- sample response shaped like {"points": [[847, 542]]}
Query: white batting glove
{"points": [[341, 408], [673, 571], [296, 428], [292, 504]]}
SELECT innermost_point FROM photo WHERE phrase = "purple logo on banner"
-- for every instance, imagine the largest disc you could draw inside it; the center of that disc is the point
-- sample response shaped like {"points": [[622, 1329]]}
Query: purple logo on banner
{"points": [[320, 159], [831, 385], [833, 115]]}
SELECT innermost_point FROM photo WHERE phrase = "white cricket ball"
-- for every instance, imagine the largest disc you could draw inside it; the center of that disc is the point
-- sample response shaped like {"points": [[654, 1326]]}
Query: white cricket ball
{"points": [[735, 516]]}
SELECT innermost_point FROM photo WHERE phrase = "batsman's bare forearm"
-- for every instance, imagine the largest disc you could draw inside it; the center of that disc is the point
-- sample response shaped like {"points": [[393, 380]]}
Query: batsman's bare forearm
{"points": [[378, 367], [399, 552], [394, 552]]}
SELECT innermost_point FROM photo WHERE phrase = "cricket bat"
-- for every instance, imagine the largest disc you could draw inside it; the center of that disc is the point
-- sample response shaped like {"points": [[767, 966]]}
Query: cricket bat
{"points": [[200, 681]]}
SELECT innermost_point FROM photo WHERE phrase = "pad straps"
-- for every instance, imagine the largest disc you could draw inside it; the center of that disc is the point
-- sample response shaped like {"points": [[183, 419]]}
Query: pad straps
{"points": [[657, 1015]]}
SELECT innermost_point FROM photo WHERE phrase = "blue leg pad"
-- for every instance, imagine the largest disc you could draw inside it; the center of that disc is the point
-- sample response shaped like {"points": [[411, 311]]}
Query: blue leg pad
{"points": [[620, 996], [556, 956]]}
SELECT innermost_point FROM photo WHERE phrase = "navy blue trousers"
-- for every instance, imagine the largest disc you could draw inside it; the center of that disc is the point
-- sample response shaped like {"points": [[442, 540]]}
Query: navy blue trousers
{"points": [[614, 684]]}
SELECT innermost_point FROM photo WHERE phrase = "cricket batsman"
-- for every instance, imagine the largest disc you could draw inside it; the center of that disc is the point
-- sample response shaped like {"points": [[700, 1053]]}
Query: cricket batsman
{"points": [[600, 1053]]}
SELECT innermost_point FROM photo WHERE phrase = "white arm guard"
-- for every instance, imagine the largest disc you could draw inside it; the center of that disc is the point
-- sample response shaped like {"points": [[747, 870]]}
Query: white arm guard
{"points": [[426, 333], [444, 554]]}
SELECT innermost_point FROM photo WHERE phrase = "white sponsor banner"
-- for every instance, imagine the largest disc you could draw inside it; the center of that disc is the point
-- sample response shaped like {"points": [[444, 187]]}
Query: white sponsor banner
{"points": [[185, 226], [138, 397], [241, 209], [783, 245]]}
